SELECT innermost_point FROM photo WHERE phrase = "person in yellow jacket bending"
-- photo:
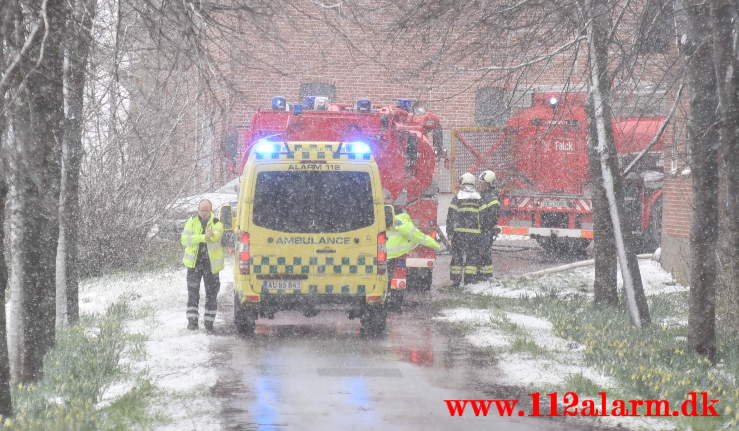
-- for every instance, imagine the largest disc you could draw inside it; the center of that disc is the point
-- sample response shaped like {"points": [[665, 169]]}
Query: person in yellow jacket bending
{"points": [[203, 258], [402, 238]]}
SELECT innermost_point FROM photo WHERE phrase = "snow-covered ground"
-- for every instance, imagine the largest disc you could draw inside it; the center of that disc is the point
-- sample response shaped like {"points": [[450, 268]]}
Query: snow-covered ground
{"points": [[563, 358], [177, 360], [523, 369], [656, 281]]}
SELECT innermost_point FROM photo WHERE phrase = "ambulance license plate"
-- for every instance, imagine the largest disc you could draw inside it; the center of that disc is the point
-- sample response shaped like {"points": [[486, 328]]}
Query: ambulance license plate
{"points": [[282, 284]]}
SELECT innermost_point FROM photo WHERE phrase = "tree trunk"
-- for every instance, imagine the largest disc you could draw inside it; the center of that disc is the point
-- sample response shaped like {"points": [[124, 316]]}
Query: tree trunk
{"points": [[600, 96], [726, 54], [604, 284], [75, 61], [703, 144], [36, 119], [6, 406]]}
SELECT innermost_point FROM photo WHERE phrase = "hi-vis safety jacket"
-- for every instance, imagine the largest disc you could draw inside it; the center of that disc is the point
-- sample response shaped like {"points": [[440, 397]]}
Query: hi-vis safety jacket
{"points": [[464, 212], [404, 236], [193, 235]]}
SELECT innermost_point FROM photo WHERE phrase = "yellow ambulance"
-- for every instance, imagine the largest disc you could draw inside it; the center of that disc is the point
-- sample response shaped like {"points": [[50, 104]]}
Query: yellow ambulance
{"points": [[310, 233]]}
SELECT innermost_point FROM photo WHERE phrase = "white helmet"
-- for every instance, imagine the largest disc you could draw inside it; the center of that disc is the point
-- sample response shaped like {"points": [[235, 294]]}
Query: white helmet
{"points": [[487, 176], [467, 178]]}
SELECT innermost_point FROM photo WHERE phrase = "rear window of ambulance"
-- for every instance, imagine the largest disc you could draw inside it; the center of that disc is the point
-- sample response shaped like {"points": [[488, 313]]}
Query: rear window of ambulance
{"points": [[313, 202]]}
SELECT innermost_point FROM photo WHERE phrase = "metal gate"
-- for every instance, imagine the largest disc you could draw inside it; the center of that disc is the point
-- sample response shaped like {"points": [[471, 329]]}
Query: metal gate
{"points": [[474, 149]]}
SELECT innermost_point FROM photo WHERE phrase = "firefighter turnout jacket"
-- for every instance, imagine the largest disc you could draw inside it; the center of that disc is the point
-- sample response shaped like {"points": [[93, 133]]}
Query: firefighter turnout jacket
{"points": [[464, 212], [488, 224], [489, 210], [465, 231], [404, 236], [193, 235]]}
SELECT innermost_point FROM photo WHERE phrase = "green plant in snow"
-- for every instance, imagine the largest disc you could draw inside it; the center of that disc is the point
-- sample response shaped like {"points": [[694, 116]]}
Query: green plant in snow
{"points": [[87, 360]]}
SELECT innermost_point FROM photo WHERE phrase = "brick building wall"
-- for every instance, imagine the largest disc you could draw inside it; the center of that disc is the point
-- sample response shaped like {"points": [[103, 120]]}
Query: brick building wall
{"points": [[676, 210]]}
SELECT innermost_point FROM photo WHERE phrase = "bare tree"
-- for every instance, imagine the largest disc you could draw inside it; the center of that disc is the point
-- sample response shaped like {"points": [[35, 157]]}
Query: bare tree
{"points": [[35, 120], [6, 405], [604, 280], [725, 32], [599, 93], [704, 150], [77, 47], [6, 402]]}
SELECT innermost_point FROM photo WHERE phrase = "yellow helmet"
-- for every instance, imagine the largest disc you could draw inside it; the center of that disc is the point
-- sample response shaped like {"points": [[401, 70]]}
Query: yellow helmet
{"points": [[487, 176], [467, 178]]}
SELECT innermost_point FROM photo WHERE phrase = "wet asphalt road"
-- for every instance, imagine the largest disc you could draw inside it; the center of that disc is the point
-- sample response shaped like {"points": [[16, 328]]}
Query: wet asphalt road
{"points": [[318, 373]]}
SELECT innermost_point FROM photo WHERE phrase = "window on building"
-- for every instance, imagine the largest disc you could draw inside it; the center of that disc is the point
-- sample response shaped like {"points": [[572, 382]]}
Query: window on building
{"points": [[491, 108], [318, 89], [657, 27]]}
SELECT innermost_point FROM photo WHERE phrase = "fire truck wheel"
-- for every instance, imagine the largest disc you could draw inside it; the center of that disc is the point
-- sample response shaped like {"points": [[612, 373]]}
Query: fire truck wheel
{"points": [[245, 319], [373, 320], [419, 279]]}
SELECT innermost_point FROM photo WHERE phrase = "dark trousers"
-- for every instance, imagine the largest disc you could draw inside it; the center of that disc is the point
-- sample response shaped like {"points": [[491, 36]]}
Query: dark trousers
{"points": [[466, 257], [486, 256], [212, 286]]}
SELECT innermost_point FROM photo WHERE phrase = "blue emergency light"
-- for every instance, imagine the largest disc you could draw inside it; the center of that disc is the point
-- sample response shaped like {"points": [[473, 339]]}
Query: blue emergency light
{"points": [[358, 147], [297, 109], [309, 102], [266, 146], [364, 106], [279, 103], [405, 104]]}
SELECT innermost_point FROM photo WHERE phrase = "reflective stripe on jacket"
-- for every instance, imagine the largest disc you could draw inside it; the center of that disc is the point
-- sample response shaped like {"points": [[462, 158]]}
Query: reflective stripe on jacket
{"points": [[193, 235], [464, 212], [405, 236]]}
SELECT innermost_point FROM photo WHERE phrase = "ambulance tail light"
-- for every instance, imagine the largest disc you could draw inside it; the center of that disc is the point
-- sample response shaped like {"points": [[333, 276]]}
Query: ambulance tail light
{"points": [[381, 253], [244, 254]]}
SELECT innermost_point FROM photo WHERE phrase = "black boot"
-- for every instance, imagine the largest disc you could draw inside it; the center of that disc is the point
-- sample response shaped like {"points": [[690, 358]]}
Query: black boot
{"points": [[208, 326], [192, 323]]}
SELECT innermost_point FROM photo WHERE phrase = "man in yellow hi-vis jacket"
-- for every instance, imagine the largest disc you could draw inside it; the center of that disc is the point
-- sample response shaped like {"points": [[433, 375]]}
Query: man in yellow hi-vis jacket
{"points": [[203, 258], [402, 238]]}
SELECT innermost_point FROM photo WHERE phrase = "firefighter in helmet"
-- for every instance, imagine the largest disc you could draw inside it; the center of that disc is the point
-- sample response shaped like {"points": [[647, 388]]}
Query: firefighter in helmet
{"points": [[488, 221], [403, 236], [464, 231]]}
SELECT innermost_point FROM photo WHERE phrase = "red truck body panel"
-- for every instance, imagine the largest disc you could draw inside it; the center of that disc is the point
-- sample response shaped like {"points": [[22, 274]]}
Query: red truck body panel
{"points": [[547, 183]]}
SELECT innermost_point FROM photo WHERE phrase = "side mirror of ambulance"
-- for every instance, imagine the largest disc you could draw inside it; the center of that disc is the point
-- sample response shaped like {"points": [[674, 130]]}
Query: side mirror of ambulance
{"points": [[225, 214], [389, 215]]}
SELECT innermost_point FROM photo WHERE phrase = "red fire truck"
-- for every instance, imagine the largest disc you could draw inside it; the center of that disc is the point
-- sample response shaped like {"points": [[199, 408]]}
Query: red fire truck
{"points": [[541, 162], [405, 142]]}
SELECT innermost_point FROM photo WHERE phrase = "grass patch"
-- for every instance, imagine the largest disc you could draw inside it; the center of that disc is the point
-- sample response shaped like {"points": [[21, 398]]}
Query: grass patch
{"points": [[526, 345], [651, 363], [582, 385], [86, 361]]}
